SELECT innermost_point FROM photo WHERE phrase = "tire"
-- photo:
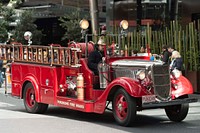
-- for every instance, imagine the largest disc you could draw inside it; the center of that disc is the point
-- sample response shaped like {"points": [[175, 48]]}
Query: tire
{"points": [[177, 113], [30, 103], [124, 108]]}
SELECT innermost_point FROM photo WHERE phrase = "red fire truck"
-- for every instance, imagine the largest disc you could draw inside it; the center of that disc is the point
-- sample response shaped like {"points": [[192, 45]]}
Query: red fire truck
{"points": [[44, 75], [54, 75]]}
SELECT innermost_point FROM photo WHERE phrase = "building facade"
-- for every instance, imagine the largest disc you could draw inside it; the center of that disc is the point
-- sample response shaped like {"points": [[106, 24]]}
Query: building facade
{"points": [[111, 12], [154, 12], [47, 13]]}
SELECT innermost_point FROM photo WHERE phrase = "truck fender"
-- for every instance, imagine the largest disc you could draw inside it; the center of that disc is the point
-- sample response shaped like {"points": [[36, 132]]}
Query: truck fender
{"points": [[131, 86], [184, 87], [35, 83]]}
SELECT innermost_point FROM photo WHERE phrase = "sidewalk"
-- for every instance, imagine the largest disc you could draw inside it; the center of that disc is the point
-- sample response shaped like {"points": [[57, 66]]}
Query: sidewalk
{"points": [[2, 89]]}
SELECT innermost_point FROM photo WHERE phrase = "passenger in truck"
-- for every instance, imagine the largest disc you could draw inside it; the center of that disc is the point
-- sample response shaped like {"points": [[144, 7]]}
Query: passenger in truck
{"points": [[96, 56]]}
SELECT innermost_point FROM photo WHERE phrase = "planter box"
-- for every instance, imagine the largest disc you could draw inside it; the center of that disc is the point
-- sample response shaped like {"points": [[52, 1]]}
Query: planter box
{"points": [[194, 78]]}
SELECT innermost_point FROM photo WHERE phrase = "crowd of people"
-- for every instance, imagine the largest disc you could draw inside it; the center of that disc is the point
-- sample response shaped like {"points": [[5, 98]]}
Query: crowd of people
{"points": [[172, 57], [169, 56]]}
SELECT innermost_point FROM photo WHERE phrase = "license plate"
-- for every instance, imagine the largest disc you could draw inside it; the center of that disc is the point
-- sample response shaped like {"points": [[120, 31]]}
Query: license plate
{"points": [[148, 98]]}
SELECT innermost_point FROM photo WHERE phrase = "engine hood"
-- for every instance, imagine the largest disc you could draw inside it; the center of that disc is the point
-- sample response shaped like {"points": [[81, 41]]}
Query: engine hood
{"points": [[135, 63]]}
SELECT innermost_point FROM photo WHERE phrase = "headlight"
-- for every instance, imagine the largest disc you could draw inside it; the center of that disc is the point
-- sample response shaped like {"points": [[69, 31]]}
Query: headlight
{"points": [[176, 73], [141, 74]]}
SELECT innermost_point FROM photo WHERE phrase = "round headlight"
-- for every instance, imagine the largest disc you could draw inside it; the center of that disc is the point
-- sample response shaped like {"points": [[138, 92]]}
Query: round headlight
{"points": [[124, 24], [84, 24], [141, 74]]}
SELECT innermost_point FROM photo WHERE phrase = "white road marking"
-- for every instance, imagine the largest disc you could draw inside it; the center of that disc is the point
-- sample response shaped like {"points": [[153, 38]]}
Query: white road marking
{"points": [[5, 104], [8, 114]]}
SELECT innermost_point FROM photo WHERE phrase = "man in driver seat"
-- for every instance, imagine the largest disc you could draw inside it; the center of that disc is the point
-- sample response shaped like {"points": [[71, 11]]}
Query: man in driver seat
{"points": [[96, 56]]}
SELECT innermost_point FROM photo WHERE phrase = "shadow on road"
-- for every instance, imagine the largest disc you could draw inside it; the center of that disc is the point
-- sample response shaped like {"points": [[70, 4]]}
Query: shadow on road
{"points": [[145, 121]]}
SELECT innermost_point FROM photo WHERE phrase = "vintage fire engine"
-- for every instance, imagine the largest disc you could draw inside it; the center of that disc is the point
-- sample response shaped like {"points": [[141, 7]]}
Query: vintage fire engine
{"points": [[54, 75]]}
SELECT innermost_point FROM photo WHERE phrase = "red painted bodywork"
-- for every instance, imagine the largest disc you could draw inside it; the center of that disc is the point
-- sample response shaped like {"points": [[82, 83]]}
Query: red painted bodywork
{"points": [[46, 80], [183, 87]]}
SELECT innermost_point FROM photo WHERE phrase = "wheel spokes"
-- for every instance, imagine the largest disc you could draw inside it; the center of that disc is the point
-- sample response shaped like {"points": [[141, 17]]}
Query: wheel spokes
{"points": [[30, 97], [121, 106]]}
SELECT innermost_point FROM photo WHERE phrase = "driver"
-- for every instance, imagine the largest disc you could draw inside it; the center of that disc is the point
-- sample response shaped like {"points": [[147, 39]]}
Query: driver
{"points": [[96, 56]]}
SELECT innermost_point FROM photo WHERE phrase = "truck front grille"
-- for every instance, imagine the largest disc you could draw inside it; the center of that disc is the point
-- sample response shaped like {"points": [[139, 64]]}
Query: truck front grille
{"points": [[161, 81]]}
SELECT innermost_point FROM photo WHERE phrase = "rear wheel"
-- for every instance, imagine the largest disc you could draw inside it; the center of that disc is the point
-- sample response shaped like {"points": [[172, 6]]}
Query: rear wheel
{"points": [[124, 108], [30, 103], [177, 113]]}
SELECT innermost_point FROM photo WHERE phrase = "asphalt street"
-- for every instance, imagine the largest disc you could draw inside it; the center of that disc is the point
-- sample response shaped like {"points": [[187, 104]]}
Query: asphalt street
{"points": [[14, 119]]}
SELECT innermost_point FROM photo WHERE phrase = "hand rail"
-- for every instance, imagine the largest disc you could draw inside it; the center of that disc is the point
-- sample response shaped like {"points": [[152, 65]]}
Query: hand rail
{"points": [[49, 55]]}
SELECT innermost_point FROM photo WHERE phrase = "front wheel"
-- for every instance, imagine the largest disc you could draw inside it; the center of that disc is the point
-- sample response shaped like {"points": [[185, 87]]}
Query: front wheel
{"points": [[124, 108], [177, 113], [30, 103]]}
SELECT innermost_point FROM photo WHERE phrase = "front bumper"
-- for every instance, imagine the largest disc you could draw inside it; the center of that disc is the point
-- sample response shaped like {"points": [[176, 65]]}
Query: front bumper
{"points": [[191, 99]]}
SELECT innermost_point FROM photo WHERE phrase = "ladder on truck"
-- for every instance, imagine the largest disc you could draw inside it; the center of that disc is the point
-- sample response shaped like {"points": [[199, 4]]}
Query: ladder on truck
{"points": [[53, 55]]}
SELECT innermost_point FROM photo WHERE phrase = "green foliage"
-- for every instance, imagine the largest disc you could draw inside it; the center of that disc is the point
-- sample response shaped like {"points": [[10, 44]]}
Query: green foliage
{"points": [[70, 22], [27, 24], [185, 39], [5, 19], [3, 31], [7, 15]]}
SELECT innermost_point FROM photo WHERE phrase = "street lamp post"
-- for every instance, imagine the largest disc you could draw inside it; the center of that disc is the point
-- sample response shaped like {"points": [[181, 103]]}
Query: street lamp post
{"points": [[124, 27], [84, 24]]}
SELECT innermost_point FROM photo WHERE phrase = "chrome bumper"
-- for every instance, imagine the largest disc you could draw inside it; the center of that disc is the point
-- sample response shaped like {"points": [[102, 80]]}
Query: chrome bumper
{"points": [[191, 99]]}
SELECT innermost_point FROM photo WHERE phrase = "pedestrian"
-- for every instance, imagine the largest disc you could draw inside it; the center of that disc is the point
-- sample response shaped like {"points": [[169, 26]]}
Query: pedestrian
{"points": [[134, 52], [165, 55], [142, 49], [4, 68], [171, 49], [1, 76], [96, 56], [177, 61]]}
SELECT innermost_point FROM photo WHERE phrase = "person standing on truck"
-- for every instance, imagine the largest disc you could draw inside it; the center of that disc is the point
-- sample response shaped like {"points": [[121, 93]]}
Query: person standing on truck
{"points": [[96, 56]]}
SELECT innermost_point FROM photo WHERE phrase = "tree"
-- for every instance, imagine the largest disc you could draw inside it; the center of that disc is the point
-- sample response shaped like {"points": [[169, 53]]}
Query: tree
{"points": [[5, 20], [27, 24], [70, 22]]}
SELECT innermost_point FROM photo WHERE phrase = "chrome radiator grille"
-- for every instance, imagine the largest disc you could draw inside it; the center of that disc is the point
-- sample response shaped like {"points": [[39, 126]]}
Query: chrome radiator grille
{"points": [[161, 81], [125, 73]]}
